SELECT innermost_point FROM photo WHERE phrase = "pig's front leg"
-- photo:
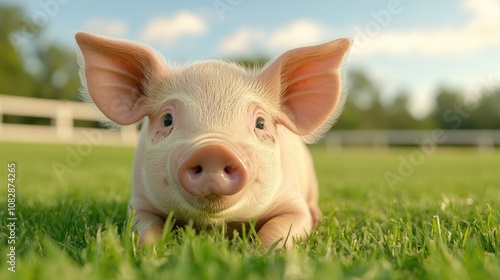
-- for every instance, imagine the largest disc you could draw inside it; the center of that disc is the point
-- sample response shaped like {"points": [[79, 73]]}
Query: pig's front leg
{"points": [[312, 204], [293, 222], [149, 226]]}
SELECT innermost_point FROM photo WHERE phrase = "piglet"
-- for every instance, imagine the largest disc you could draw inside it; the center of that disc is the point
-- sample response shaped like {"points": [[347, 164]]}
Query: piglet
{"points": [[220, 144]]}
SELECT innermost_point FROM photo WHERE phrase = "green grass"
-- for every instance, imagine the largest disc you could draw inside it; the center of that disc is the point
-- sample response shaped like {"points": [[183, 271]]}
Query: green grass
{"points": [[441, 222]]}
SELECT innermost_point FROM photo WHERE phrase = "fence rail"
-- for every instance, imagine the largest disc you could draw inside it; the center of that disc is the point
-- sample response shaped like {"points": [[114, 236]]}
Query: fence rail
{"points": [[64, 113], [62, 126], [483, 139]]}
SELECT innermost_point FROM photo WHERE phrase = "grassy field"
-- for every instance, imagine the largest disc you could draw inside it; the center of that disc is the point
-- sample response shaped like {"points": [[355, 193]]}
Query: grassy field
{"points": [[437, 218]]}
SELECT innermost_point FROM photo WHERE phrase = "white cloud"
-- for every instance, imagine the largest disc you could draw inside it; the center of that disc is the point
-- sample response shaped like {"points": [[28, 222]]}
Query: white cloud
{"points": [[297, 33], [115, 28], [242, 39], [482, 30], [167, 31]]}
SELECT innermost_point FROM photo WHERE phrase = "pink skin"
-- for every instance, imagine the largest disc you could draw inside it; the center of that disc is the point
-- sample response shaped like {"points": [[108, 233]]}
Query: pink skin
{"points": [[220, 145], [213, 170]]}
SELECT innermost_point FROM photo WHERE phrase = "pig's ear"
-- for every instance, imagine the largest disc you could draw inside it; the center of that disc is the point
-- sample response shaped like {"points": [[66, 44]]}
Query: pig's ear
{"points": [[116, 74], [308, 82]]}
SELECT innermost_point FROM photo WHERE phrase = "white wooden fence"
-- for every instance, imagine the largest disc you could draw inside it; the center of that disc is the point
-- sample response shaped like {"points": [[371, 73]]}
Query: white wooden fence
{"points": [[63, 114], [381, 139], [62, 129]]}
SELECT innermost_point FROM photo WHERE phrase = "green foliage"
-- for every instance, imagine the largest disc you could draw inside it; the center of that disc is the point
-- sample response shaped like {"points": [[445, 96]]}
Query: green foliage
{"points": [[252, 63], [455, 110], [486, 114], [31, 67], [442, 222], [15, 81]]}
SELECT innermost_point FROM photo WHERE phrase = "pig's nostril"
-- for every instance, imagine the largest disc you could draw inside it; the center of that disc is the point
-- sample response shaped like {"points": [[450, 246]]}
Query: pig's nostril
{"points": [[197, 169], [229, 170]]}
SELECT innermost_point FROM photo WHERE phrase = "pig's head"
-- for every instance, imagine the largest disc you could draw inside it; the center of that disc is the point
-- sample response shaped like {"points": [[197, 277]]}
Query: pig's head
{"points": [[211, 150]]}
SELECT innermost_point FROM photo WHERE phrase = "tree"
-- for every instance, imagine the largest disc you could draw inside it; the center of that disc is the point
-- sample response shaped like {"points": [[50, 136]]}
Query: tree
{"points": [[446, 99], [453, 111], [486, 115], [58, 78], [251, 63], [14, 80], [28, 66], [363, 108], [398, 115]]}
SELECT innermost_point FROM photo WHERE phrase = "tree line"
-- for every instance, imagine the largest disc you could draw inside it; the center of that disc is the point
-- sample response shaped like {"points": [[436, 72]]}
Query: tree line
{"points": [[36, 68]]}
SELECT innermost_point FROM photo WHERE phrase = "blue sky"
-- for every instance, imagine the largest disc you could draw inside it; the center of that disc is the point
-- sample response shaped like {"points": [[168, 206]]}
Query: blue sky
{"points": [[413, 45]]}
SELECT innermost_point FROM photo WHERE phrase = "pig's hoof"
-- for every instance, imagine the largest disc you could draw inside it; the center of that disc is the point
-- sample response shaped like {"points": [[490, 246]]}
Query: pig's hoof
{"points": [[315, 214], [148, 237]]}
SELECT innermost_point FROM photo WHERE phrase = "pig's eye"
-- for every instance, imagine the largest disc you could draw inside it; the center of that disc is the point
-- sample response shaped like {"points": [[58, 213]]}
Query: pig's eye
{"points": [[168, 120], [259, 123]]}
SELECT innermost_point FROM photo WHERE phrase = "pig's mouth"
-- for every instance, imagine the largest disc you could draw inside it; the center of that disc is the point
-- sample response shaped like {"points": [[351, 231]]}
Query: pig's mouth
{"points": [[212, 203], [212, 196]]}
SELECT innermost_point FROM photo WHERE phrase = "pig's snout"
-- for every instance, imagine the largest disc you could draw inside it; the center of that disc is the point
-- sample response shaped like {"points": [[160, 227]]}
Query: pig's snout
{"points": [[213, 170]]}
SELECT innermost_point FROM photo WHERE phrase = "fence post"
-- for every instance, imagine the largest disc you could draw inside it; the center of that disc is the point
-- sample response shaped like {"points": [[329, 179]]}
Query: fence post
{"points": [[485, 142], [381, 142], [64, 121]]}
